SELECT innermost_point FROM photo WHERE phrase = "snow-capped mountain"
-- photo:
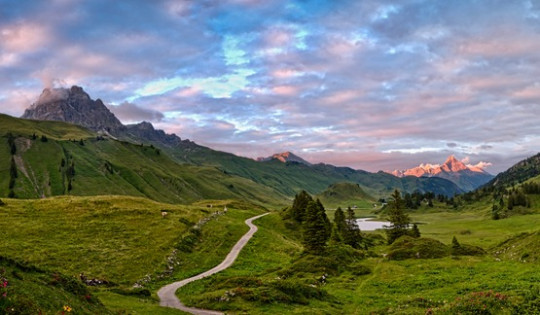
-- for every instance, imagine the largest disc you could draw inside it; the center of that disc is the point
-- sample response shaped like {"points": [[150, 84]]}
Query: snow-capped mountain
{"points": [[468, 177]]}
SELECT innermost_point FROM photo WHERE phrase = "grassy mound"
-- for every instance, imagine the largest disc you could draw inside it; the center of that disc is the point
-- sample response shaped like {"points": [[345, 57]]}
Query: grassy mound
{"points": [[25, 289], [524, 247], [468, 250], [408, 247], [346, 195]]}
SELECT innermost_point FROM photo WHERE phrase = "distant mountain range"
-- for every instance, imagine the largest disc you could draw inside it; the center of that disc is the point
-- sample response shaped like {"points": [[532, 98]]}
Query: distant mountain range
{"points": [[284, 173], [466, 177]]}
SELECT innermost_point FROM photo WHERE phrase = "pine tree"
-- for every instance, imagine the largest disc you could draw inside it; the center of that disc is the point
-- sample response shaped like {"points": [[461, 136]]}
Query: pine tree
{"points": [[298, 210], [353, 237], [456, 247], [339, 222], [315, 228], [398, 218], [415, 232]]}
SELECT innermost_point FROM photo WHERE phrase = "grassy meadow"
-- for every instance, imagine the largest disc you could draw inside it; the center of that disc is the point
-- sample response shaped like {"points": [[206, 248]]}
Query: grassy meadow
{"points": [[258, 281]]}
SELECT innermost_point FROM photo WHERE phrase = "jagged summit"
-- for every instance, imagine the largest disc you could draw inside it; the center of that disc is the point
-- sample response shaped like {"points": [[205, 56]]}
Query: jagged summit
{"points": [[467, 177], [73, 105], [454, 165], [284, 157]]}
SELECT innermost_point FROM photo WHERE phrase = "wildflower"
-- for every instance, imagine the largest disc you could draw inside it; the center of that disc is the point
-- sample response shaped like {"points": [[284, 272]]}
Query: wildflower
{"points": [[67, 308]]}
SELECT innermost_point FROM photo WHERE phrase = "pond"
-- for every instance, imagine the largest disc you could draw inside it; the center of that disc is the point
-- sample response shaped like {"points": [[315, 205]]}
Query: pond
{"points": [[366, 225]]}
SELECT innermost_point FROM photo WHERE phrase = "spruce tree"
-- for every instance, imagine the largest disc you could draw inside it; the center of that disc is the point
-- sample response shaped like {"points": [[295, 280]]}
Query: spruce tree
{"points": [[316, 230], [298, 210], [415, 232], [456, 247], [353, 236], [398, 218], [340, 222]]}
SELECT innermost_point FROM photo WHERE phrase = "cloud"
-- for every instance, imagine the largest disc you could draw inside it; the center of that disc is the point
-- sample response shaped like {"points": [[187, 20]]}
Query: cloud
{"points": [[129, 113], [480, 165], [361, 83]]}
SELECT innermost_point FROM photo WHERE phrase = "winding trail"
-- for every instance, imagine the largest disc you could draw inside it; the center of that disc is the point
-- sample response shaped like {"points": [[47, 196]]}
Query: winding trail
{"points": [[167, 294]]}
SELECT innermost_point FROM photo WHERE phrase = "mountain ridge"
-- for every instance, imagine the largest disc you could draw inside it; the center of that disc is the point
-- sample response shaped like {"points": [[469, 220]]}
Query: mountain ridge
{"points": [[467, 177], [284, 178]]}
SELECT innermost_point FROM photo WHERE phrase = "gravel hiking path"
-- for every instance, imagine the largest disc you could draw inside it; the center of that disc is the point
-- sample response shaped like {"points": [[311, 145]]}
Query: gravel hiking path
{"points": [[167, 294]]}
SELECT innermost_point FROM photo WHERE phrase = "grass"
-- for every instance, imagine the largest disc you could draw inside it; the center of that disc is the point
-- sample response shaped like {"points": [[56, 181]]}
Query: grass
{"points": [[110, 167], [31, 290], [410, 286], [346, 195], [98, 236]]}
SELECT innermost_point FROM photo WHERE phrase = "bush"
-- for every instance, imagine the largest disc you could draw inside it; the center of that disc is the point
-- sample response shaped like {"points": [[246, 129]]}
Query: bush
{"points": [[487, 302], [468, 250], [360, 270], [141, 292], [407, 247], [333, 262]]}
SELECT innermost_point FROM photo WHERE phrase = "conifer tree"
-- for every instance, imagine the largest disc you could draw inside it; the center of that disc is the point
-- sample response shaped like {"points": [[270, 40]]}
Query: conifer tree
{"points": [[415, 232], [316, 230], [398, 218], [339, 222], [298, 210], [353, 237]]}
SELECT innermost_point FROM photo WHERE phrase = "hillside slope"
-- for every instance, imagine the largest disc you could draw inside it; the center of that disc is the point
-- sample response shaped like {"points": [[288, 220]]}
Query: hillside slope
{"points": [[518, 173], [290, 177], [345, 195], [93, 165]]}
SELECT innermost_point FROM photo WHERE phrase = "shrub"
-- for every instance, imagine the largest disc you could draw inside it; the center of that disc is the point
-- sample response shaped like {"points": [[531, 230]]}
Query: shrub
{"points": [[487, 302], [133, 292], [408, 247], [360, 270]]}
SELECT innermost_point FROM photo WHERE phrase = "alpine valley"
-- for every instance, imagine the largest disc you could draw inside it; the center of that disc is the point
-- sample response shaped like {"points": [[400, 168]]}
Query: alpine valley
{"points": [[84, 197]]}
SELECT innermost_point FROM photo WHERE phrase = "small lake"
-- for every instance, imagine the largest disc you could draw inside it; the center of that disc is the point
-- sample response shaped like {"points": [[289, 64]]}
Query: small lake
{"points": [[366, 225]]}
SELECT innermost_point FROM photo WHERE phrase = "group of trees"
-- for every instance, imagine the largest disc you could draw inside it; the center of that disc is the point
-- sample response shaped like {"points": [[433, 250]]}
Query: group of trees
{"points": [[414, 200], [317, 230], [311, 215], [531, 188], [346, 229], [515, 197]]}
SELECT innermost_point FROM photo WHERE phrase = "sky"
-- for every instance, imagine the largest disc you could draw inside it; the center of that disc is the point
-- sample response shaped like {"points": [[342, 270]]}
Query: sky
{"points": [[370, 84]]}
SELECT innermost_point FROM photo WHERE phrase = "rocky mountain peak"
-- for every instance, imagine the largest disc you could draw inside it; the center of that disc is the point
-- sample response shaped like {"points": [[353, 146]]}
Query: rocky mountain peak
{"points": [[453, 165], [73, 105], [284, 157], [467, 177]]}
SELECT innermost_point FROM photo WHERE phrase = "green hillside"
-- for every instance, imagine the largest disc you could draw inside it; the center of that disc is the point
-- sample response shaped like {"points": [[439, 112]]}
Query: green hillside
{"points": [[91, 165], [518, 173], [345, 195], [32, 290]]}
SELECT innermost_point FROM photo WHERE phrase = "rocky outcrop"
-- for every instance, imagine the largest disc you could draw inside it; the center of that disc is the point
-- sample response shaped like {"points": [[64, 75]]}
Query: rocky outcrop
{"points": [[284, 157], [145, 131], [75, 106]]}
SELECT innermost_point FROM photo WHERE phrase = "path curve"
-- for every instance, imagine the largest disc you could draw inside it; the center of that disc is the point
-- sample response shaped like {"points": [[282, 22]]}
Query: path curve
{"points": [[167, 294]]}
